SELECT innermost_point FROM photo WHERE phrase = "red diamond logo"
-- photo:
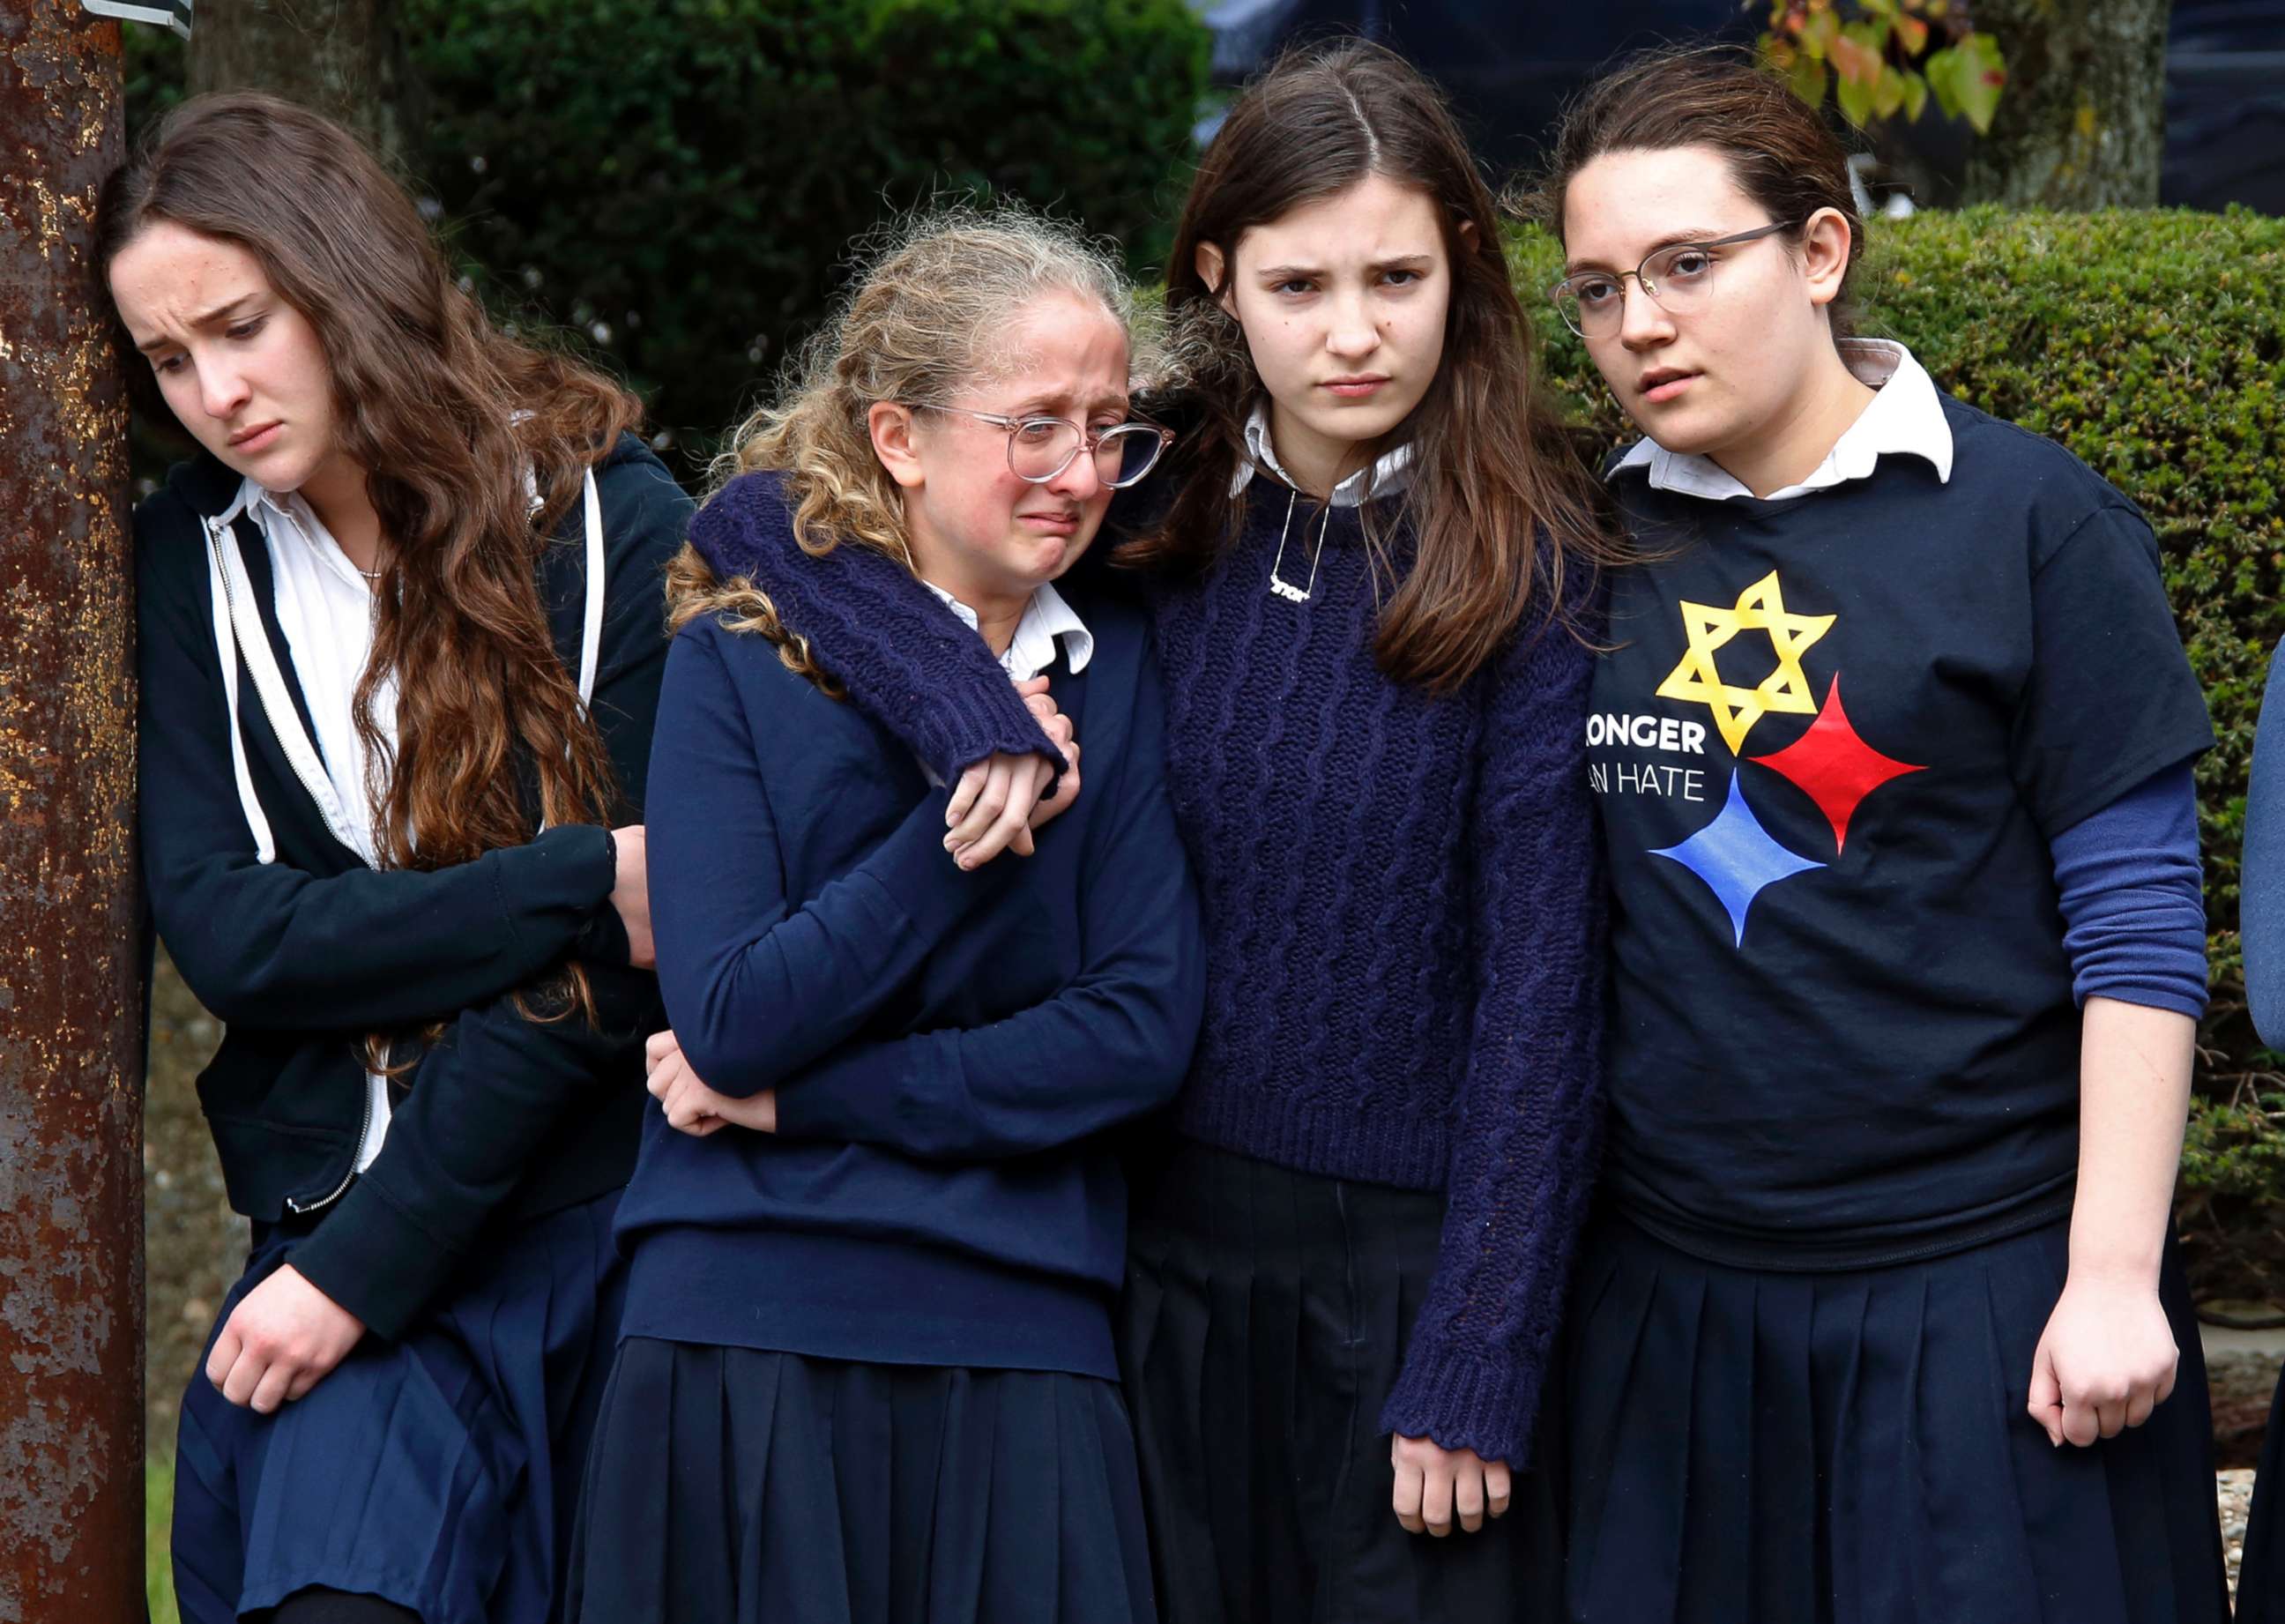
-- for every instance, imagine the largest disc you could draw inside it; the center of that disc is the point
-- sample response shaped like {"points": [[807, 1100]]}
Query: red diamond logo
{"points": [[1834, 767]]}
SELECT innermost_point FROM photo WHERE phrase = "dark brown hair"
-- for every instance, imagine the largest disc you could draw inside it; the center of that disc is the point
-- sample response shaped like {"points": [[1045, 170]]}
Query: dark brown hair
{"points": [[1492, 471], [1782, 153], [450, 418]]}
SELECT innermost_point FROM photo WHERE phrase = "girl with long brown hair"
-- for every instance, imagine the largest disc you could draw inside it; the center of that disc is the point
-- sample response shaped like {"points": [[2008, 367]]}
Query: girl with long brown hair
{"points": [[1369, 571], [1880, 1319], [399, 648]]}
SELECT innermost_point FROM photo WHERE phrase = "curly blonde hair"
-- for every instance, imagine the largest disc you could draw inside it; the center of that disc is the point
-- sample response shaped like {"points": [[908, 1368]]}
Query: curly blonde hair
{"points": [[934, 297]]}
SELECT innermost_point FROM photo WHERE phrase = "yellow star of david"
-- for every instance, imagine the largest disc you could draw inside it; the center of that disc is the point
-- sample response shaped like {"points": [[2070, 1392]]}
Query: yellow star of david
{"points": [[1760, 607]]}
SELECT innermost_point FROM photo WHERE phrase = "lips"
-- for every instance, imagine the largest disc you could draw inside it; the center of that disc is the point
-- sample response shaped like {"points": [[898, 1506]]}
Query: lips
{"points": [[1360, 386], [255, 438], [1052, 523], [1663, 383]]}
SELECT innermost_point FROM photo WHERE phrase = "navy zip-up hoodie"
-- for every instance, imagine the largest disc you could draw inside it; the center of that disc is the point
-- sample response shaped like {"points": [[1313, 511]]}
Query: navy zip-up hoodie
{"points": [[948, 1049], [302, 956]]}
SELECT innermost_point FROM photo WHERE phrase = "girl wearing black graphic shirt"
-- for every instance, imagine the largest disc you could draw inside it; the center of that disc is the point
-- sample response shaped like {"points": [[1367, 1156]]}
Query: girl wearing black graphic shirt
{"points": [[1881, 1318]]}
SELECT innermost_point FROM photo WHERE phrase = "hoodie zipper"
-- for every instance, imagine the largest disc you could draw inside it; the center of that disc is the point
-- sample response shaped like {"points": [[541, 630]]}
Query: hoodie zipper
{"points": [[216, 532]]}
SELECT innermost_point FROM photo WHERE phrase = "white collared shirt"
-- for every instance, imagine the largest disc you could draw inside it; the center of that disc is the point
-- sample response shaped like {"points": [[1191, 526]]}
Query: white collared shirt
{"points": [[1905, 418], [1388, 475], [1033, 649], [326, 610]]}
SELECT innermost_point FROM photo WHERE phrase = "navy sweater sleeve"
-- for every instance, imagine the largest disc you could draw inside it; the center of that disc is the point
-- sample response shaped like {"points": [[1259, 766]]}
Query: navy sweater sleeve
{"points": [[731, 941], [2134, 918], [906, 659], [1530, 1126], [510, 1068], [272, 945], [1111, 1044], [482, 1100], [2261, 899]]}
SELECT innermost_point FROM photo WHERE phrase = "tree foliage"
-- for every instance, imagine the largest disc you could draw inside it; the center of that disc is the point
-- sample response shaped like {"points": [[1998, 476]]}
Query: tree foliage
{"points": [[1887, 57]]}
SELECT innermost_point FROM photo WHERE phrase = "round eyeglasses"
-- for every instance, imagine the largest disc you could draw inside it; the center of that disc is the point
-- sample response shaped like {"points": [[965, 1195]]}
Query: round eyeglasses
{"points": [[1040, 447], [1679, 278]]}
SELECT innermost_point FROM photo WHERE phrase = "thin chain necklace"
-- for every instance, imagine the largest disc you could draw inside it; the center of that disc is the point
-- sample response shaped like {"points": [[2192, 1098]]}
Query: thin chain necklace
{"points": [[1278, 584]]}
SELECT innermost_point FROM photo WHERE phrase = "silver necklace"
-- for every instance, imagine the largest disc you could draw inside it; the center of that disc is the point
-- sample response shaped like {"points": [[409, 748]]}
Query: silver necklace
{"points": [[1278, 584]]}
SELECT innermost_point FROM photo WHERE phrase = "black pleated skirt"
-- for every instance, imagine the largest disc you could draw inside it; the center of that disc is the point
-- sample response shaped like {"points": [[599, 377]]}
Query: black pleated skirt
{"points": [[440, 1471], [1266, 1316], [1852, 1447], [2261, 1574], [734, 1486]]}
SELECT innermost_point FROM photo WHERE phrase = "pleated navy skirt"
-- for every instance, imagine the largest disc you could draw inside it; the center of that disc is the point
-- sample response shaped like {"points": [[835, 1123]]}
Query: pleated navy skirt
{"points": [[1853, 1447], [440, 1473], [2261, 1574], [1266, 1317], [736, 1486]]}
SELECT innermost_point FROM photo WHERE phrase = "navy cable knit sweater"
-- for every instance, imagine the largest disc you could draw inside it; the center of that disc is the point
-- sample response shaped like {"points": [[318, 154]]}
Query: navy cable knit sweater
{"points": [[1403, 897]]}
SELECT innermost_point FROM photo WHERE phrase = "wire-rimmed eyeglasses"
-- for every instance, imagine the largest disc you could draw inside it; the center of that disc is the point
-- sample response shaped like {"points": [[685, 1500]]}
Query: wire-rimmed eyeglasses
{"points": [[1677, 278], [1039, 446]]}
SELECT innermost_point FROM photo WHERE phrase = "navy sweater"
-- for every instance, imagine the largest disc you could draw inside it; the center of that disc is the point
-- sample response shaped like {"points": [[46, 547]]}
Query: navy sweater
{"points": [[1402, 906], [948, 1049], [302, 956]]}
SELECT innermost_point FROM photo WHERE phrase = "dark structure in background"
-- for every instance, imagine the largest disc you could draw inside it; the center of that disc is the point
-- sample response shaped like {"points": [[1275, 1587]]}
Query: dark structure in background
{"points": [[2226, 104], [71, 1054], [1509, 67]]}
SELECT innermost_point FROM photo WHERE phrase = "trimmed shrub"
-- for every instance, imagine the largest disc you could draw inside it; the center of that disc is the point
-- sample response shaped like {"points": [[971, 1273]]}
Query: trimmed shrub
{"points": [[680, 179], [2153, 345]]}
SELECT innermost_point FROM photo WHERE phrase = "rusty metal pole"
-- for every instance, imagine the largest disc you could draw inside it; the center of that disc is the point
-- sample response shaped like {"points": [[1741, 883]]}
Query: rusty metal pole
{"points": [[71, 1061]]}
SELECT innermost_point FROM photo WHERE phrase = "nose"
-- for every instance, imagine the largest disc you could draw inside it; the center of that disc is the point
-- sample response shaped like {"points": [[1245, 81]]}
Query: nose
{"points": [[1081, 478], [1350, 332], [1643, 322], [222, 388]]}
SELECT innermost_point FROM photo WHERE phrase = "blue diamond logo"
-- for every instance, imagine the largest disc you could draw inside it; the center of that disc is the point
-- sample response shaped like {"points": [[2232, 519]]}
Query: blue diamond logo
{"points": [[1735, 855]]}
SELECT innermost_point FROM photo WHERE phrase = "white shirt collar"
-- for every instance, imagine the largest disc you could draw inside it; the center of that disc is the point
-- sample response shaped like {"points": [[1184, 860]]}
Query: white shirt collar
{"points": [[1905, 418], [1387, 475], [300, 520], [1033, 649]]}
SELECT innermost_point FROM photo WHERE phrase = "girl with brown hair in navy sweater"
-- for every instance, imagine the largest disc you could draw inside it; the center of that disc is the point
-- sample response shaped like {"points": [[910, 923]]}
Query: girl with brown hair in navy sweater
{"points": [[1368, 573]]}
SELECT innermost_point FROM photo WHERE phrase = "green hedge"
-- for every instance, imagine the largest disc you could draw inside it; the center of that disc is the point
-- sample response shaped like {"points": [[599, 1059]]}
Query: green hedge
{"points": [[680, 179], [2153, 345]]}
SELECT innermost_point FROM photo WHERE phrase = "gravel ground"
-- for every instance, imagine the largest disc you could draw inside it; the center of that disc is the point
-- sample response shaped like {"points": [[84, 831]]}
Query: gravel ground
{"points": [[2233, 1493]]}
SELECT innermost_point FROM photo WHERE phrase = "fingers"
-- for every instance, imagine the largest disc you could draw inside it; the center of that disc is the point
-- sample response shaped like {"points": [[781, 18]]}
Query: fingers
{"points": [[964, 794], [1436, 1499], [1411, 1487], [269, 1392], [1468, 1495], [970, 841], [2046, 1399], [657, 1047], [663, 1076], [1498, 1487], [2166, 1388], [1026, 779], [2145, 1400], [225, 1353]]}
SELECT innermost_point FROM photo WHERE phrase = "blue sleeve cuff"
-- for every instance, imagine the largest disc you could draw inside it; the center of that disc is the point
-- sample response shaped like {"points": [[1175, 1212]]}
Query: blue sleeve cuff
{"points": [[2132, 901]]}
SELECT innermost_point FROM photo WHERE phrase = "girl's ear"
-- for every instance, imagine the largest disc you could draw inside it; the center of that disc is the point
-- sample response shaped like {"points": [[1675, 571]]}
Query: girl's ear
{"points": [[1824, 243], [1207, 261], [892, 428]]}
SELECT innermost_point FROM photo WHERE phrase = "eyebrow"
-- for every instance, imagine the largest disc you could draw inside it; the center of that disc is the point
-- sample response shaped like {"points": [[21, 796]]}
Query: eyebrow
{"points": [[1038, 404], [1397, 262], [208, 319], [1697, 233]]}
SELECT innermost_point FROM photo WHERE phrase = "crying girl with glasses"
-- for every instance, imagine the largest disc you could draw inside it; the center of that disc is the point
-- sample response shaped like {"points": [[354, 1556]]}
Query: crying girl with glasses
{"points": [[879, 1199]]}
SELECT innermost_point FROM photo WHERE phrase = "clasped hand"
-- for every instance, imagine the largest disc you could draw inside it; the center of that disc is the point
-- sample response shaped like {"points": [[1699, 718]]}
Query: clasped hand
{"points": [[693, 1107]]}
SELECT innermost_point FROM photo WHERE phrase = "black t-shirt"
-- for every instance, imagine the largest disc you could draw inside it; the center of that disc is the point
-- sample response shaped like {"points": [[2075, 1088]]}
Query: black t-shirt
{"points": [[1830, 750]]}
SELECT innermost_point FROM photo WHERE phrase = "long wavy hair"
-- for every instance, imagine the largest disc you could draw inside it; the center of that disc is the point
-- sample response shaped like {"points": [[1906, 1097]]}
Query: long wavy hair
{"points": [[931, 303], [459, 427], [1492, 472]]}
